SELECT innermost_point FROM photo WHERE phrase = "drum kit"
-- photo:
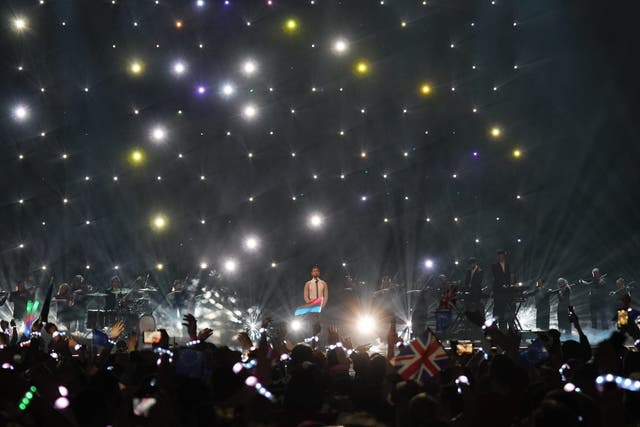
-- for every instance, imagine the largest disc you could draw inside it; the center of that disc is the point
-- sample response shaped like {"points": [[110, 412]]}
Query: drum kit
{"points": [[133, 307]]}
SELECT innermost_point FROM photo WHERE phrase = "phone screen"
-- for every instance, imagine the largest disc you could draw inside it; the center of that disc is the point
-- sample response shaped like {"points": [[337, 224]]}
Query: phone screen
{"points": [[463, 348], [623, 317], [152, 337]]}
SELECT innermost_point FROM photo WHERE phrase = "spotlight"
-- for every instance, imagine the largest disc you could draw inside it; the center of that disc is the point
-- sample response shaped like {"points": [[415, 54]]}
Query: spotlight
{"points": [[429, 264], [159, 222], [274, 265], [425, 89], [230, 265], [496, 132], [316, 220], [136, 157], [19, 24], [366, 324], [249, 67], [136, 67], [249, 111], [295, 325], [179, 68], [340, 46], [227, 90], [203, 265], [158, 134], [291, 25], [159, 266], [21, 113], [251, 243], [362, 68], [517, 153], [201, 90]]}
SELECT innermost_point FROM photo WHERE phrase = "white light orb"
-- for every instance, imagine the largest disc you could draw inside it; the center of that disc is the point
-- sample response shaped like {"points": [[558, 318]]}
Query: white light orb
{"points": [[21, 112], [366, 324], [251, 243], [158, 134], [249, 111], [249, 67], [340, 46], [179, 68], [19, 23], [227, 90], [203, 265], [316, 220], [230, 265], [295, 325], [429, 264]]}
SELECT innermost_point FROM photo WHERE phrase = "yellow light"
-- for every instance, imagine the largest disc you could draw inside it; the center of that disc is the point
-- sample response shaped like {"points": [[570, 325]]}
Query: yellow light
{"points": [[517, 153], [178, 24], [135, 67], [159, 266], [403, 24], [496, 132], [363, 154], [291, 25], [159, 222], [425, 89], [362, 68], [136, 157]]}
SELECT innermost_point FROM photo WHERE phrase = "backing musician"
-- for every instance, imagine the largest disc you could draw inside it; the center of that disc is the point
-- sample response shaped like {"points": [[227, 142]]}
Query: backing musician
{"points": [[564, 301], [19, 298], [598, 299], [501, 296], [542, 298], [473, 285]]}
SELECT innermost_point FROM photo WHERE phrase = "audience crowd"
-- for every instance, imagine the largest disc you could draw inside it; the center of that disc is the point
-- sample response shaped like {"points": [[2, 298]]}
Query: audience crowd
{"points": [[50, 379]]}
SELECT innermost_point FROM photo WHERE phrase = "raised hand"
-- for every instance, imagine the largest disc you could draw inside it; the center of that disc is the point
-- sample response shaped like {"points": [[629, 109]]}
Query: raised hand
{"points": [[244, 340], [189, 321], [332, 335], [116, 330], [204, 334], [132, 342]]}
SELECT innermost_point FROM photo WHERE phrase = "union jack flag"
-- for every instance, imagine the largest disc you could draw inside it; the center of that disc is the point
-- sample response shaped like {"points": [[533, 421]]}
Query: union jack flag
{"points": [[422, 358]]}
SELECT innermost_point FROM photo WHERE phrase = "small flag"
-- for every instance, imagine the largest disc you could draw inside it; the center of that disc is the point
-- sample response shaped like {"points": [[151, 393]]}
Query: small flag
{"points": [[422, 358], [100, 338], [314, 306]]}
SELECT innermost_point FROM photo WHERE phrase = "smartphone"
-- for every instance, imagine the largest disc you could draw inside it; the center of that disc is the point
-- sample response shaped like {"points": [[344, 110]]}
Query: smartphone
{"points": [[463, 348], [152, 337], [623, 318]]}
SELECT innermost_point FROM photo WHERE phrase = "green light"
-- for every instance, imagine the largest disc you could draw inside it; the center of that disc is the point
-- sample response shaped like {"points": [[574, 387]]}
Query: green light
{"points": [[29, 306], [33, 388], [22, 406], [25, 401], [28, 395]]}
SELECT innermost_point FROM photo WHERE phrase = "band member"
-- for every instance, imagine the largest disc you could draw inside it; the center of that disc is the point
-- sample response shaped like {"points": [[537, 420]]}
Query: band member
{"points": [[621, 294], [316, 288], [542, 297], [113, 293], [66, 309], [598, 299], [19, 298], [473, 285], [501, 281], [564, 301]]}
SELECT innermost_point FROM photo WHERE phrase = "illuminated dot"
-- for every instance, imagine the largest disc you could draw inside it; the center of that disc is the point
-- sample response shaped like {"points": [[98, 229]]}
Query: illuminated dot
{"points": [[453, 89], [293, 154], [136, 67], [455, 219], [385, 176], [518, 197], [363, 154], [87, 222], [316, 220], [342, 176], [251, 243], [44, 267], [403, 24], [180, 155], [21, 245], [227, 90], [386, 220], [250, 155], [404, 111], [202, 178], [475, 110], [473, 67], [159, 266], [202, 221], [116, 267], [519, 240], [20, 113], [200, 45], [21, 201], [65, 201], [362, 111], [230, 265], [496, 132], [425, 89], [159, 178], [515, 67], [20, 23], [135, 24], [179, 68], [515, 24], [315, 176], [517, 153], [363, 198], [249, 111], [274, 265], [87, 267], [313, 89], [158, 134], [136, 112], [341, 132], [495, 88], [86, 89], [362, 67], [340, 46], [251, 199], [20, 156], [178, 24], [291, 25], [428, 263], [249, 67], [248, 23], [455, 175], [203, 265], [136, 156], [42, 89], [86, 178], [159, 222], [452, 45], [477, 240], [293, 111], [64, 156]]}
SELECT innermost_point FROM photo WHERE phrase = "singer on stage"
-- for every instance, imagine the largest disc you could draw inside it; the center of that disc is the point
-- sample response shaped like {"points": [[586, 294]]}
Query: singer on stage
{"points": [[316, 288]]}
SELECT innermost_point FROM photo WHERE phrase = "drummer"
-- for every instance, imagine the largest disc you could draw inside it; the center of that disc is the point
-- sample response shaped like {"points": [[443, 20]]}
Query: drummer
{"points": [[113, 293]]}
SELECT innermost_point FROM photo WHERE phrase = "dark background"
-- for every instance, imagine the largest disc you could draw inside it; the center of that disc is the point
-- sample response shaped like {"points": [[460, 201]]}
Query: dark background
{"points": [[571, 107]]}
